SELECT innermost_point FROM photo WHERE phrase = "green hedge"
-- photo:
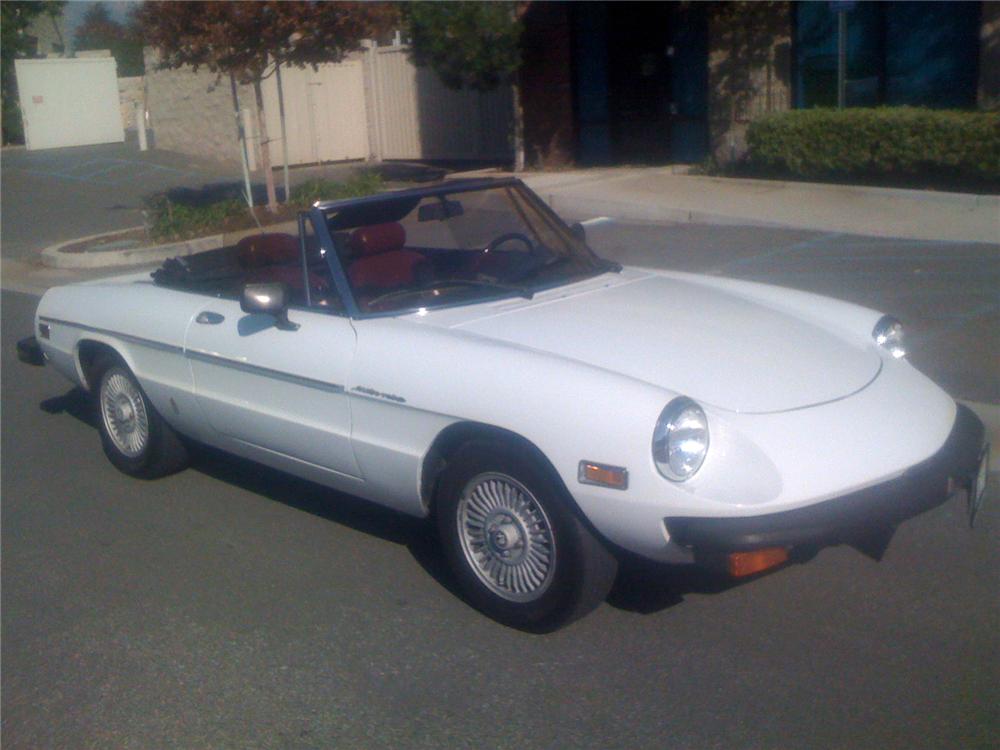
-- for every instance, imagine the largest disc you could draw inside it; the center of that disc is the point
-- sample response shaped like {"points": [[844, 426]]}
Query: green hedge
{"points": [[889, 142]]}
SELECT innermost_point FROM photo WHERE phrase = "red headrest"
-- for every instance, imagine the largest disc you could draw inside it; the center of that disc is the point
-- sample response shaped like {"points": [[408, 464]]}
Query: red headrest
{"points": [[378, 238], [258, 250]]}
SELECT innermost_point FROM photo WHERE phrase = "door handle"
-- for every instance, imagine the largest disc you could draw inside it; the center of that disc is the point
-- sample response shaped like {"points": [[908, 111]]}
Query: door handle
{"points": [[208, 318]]}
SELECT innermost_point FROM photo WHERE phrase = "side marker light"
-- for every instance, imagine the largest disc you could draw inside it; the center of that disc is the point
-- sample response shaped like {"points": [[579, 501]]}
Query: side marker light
{"points": [[742, 564], [615, 477]]}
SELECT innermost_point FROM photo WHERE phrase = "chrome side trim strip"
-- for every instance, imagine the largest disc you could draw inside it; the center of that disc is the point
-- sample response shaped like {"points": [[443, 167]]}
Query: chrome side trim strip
{"points": [[267, 372], [164, 347], [214, 359]]}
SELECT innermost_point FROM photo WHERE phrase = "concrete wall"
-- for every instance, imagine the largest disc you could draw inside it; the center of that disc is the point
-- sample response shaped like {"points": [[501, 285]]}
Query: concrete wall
{"points": [[989, 57], [749, 70], [192, 113]]}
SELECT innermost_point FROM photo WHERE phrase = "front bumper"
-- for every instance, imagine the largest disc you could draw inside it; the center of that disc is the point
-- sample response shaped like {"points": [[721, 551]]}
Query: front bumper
{"points": [[850, 517]]}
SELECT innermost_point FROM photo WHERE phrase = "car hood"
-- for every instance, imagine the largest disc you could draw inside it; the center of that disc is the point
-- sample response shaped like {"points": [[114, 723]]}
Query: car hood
{"points": [[710, 344]]}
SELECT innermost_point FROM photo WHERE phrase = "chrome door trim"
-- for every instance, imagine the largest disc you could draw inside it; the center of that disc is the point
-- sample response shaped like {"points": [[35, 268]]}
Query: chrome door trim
{"points": [[267, 372]]}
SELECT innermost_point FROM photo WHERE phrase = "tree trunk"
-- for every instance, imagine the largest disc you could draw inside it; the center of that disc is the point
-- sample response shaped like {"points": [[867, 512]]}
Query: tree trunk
{"points": [[284, 135], [518, 125], [265, 149]]}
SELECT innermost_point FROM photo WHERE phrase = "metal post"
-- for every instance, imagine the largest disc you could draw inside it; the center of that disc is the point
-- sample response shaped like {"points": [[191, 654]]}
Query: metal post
{"points": [[243, 142], [841, 58], [284, 137], [140, 126]]}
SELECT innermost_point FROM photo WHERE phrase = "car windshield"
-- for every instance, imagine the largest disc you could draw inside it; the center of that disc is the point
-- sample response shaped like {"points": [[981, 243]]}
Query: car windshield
{"points": [[413, 251]]}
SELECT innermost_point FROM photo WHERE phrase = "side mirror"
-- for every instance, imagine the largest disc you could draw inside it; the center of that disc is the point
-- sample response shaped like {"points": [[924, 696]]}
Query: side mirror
{"points": [[578, 231], [269, 299]]}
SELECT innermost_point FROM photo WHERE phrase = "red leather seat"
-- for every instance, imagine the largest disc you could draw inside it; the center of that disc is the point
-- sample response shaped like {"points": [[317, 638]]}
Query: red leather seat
{"points": [[381, 260], [275, 248], [275, 258]]}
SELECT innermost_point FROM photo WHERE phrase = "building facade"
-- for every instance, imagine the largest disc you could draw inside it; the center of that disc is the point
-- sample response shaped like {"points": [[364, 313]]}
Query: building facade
{"points": [[630, 82]]}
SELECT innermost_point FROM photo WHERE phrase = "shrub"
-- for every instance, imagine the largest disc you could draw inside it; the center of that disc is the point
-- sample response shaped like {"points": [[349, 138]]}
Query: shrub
{"points": [[177, 219], [889, 142], [360, 184]]}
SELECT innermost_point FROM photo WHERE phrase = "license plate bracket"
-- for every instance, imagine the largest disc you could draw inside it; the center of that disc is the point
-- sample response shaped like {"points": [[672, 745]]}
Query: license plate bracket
{"points": [[977, 485]]}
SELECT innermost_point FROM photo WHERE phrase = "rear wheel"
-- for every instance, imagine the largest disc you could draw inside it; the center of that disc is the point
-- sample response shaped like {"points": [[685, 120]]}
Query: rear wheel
{"points": [[134, 436], [520, 553]]}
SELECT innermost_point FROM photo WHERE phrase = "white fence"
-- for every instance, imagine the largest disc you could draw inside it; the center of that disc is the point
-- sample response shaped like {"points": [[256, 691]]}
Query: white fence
{"points": [[381, 106], [417, 117], [374, 105], [324, 113]]}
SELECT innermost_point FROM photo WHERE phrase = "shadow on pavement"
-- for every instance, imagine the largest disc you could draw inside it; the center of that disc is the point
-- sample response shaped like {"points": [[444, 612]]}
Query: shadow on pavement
{"points": [[642, 586]]}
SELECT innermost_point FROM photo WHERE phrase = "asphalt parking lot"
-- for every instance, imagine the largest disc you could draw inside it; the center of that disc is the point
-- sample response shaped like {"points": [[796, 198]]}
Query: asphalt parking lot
{"points": [[61, 194], [230, 606], [946, 293]]}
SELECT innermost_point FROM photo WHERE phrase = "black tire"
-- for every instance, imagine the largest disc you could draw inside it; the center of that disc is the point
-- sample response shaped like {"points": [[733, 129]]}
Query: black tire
{"points": [[540, 596], [151, 449]]}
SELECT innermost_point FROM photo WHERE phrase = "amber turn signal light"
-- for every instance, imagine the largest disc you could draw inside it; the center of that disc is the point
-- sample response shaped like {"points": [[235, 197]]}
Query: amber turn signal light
{"points": [[742, 564], [615, 477]]}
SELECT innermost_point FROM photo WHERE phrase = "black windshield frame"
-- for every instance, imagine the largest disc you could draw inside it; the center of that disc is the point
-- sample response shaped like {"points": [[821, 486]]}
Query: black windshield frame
{"points": [[386, 206]]}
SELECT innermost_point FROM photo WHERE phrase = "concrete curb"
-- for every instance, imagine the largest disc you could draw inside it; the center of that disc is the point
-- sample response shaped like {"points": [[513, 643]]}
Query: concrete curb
{"points": [[665, 194], [54, 257], [574, 178], [572, 204]]}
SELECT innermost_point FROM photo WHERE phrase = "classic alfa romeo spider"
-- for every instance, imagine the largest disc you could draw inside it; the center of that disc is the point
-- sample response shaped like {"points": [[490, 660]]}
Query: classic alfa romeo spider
{"points": [[458, 352]]}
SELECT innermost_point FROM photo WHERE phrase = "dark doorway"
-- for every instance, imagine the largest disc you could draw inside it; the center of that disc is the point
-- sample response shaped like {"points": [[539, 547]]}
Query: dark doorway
{"points": [[641, 82]]}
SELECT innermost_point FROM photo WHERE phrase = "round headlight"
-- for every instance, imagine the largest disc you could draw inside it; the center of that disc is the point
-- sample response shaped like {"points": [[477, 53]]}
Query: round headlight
{"points": [[888, 333], [680, 440]]}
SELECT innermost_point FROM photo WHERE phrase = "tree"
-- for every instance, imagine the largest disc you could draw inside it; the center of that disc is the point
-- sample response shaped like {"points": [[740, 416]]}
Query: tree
{"points": [[100, 31], [248, 40], [474, 45], [15, 18]]}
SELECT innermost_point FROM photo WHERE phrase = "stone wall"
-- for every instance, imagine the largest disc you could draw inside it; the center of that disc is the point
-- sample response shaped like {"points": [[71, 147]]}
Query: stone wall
{"points": [[749, 70], [131, 91], [192, 113], [989, 57]]}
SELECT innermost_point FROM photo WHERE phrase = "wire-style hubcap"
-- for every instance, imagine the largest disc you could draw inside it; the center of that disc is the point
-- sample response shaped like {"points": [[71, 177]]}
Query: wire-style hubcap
{"points": [[506, 537], [124, 413]]}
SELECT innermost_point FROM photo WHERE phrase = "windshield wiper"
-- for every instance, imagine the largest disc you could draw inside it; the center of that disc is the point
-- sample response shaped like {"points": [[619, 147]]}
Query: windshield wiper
{"points": [[518, 290]]}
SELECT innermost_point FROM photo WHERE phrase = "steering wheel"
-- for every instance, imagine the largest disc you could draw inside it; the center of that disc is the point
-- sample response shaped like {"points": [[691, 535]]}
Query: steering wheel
{"points": [[495, 243]]}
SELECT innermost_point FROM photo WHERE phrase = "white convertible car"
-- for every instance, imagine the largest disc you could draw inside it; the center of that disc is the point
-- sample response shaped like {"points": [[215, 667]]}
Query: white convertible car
{"points": [[458, 352]]}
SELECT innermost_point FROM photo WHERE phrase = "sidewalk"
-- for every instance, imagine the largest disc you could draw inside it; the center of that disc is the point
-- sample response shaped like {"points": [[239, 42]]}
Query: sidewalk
{"points": [[658, 194]]}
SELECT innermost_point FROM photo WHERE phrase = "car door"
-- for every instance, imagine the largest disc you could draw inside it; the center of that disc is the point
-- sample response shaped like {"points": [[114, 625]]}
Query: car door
{"points": [[281, 390]]}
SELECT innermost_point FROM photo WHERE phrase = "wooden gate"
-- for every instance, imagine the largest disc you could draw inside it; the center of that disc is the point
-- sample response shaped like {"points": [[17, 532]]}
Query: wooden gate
{"points": [[324, 113]]}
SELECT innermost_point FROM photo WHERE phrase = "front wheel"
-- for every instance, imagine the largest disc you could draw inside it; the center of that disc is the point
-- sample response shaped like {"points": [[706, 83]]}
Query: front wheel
{"points": [[134, 436], [518, 549]]}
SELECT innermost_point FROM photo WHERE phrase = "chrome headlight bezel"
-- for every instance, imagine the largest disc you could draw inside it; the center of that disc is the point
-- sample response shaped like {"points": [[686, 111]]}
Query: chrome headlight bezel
{"points": [[889, 335], [681, 419]]}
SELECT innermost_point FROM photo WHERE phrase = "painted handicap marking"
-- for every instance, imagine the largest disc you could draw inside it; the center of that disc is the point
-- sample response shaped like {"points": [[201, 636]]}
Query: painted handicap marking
{"points": [[107, 171], [812, 243]]}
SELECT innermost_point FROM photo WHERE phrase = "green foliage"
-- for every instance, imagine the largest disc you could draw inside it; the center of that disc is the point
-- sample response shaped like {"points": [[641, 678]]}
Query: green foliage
{"points": [[100, 31], [468, 44], [897, 142], [15, 18], [175, 221], [168, 221], [247, 38], [358, 186]]}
